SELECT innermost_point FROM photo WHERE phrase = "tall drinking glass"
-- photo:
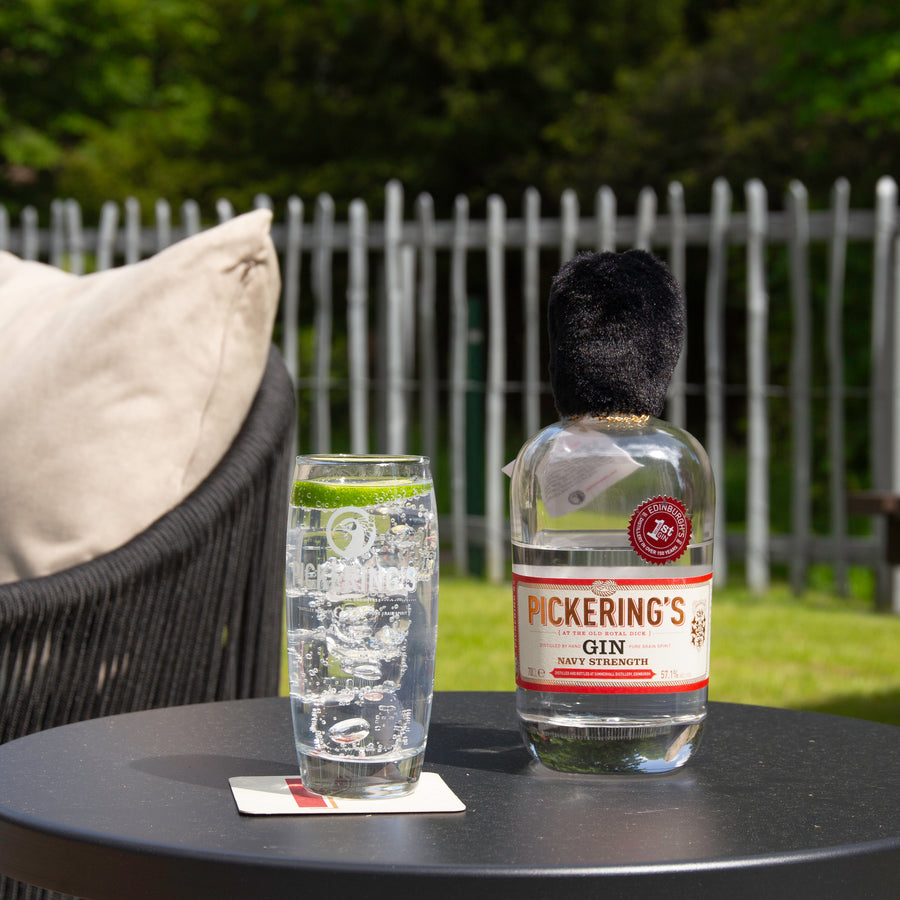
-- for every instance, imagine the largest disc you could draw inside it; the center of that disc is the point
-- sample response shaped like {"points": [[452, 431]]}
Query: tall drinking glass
{"points": [[362, 598]]}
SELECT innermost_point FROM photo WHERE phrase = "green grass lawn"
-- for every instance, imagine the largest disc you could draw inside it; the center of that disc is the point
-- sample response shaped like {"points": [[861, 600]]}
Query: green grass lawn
{"points": [[816, 651]]}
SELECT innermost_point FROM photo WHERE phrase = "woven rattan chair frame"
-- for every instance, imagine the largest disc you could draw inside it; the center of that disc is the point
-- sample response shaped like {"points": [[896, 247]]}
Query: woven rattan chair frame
{"points": [[188, 611]]}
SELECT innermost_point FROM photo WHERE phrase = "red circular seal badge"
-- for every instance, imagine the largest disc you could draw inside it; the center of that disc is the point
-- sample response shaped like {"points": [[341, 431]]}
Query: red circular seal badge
{"points": [[660, 530]]}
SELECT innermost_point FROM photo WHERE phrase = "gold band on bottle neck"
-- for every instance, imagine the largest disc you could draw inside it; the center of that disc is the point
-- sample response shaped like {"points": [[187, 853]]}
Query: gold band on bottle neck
{"points": [[622, 418]]}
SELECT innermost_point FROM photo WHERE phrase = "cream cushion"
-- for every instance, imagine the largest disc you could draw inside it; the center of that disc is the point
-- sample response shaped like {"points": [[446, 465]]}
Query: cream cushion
{"points": [[121, 390]]}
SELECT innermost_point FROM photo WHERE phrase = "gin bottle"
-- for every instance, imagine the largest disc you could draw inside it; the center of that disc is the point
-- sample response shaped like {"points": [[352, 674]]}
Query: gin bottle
{"points": [[612, 514]]}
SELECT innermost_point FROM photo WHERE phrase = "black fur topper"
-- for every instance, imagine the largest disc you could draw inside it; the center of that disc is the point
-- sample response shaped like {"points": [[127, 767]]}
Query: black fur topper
{"points": [[616, 330]]}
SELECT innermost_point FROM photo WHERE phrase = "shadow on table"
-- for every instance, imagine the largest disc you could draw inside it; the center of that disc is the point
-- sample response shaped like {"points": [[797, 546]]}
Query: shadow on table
{"points": [[476, 747], [207, 769]]}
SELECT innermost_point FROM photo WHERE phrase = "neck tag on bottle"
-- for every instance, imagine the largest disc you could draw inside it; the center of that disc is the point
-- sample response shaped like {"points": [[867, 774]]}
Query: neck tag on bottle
{"points": [[581, 466]]}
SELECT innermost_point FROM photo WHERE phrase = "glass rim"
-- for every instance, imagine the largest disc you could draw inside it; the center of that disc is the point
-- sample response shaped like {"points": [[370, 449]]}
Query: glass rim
{"points": [[364, 459]]}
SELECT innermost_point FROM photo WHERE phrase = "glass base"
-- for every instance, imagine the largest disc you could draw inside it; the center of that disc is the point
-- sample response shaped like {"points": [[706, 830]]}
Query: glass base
{"points": [[361, 779], [606, 750]]}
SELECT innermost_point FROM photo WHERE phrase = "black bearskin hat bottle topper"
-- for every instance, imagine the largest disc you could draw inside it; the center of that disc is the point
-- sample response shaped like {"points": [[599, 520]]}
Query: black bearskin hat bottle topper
{"points": [[612, 515]]}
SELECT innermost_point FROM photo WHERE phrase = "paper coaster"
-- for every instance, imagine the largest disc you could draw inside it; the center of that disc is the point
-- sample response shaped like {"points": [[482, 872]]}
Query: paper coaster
{"points": [[284, 795]]}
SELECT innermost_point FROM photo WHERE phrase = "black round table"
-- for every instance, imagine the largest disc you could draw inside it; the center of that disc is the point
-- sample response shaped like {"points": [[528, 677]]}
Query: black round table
{"points": [[777, 803]]}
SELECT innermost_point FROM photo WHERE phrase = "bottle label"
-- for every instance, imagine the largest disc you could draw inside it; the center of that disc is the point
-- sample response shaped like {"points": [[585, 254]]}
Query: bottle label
{"points": [[611, 635]]}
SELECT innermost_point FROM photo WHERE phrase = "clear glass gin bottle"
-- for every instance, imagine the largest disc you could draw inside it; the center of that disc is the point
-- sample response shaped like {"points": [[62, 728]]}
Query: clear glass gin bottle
{"points": [[612, 541], [612, 516]]}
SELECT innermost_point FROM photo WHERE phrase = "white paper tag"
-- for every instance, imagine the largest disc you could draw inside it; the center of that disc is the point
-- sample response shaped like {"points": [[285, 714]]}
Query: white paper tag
{"points": [[580, 466], [285, 795]]}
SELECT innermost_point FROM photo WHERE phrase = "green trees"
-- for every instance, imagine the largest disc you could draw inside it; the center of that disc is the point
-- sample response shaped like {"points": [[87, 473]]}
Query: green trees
{"points": [[205, 97], [100, 99], [198, 98], [777, 90]]}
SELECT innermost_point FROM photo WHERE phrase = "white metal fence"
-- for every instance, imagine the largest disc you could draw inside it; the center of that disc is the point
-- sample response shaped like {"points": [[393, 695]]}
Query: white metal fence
{"points": [[377, 330]]}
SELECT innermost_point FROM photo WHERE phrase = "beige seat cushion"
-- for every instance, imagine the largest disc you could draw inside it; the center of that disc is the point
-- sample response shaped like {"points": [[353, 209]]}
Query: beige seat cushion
{"points": [[121, 390]]}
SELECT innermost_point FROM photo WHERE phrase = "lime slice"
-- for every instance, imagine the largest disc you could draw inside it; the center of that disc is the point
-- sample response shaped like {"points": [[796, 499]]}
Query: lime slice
{"points": [[337, 494]]}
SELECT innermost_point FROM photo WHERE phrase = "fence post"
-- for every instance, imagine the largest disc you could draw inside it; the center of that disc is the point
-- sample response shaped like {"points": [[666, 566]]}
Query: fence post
{"points": [[837, 257], [646, 218], [76, 237], [605, 210], [224, 209], [392, 333], [57, 233], [885, 223], [676, 403], [106, 235], [895, 417], [323, 229], [132, 230], [714, 345], [190, 216], [495, 399], [757, 390], [801, 373], [474, 504], [568, 211], [358, 325], [408, 329], [428, 376], [459, 330], [163, 215], [31, 239], [291, 287], [531, 253], [880, 403]]}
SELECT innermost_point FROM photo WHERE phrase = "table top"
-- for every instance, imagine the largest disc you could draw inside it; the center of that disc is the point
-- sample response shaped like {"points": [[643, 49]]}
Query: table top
{"points": [[776, 803]]}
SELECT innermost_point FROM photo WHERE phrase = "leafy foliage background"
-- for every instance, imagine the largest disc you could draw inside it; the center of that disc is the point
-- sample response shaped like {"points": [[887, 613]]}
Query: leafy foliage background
{"points": [[102, 99]]}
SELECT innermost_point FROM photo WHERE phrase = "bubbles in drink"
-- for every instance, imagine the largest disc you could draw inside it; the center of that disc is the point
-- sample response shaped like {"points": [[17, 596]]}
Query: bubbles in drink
{"points": [[366, 671], [349, 731]]}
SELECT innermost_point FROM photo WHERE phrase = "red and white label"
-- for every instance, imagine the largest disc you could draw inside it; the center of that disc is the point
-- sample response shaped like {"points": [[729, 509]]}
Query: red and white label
{"points": [[660, 530], [611, 635]]}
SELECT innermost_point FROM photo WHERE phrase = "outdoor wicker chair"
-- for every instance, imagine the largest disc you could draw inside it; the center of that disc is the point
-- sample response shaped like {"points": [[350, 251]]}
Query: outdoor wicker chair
{"points": [[188, 611]]}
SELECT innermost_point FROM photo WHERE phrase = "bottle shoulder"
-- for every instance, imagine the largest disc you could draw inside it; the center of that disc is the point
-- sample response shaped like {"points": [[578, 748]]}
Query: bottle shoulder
{"points": [[636, 437], [590, 474]]}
